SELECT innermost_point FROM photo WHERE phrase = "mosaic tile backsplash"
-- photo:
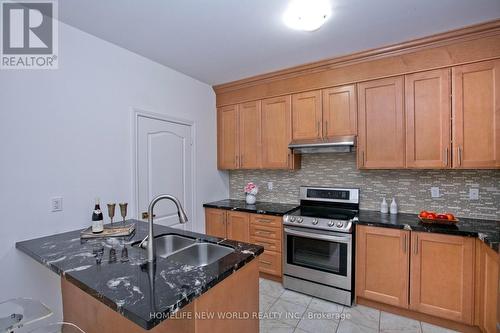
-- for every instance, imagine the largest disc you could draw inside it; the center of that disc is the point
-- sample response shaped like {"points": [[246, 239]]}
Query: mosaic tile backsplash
{"points": [[411, 188]]}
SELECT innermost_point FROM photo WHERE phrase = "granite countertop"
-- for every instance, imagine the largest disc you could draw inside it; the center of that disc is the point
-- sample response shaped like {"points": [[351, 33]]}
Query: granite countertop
{"points": [[125, 286], [260, 207], [486, 230]]}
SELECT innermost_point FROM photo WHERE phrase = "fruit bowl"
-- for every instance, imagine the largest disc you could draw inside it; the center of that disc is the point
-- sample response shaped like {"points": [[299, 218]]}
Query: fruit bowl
{"points": [[433, 218]]}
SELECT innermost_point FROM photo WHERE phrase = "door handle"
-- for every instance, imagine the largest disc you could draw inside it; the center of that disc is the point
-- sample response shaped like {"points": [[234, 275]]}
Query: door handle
{"points": [[446, 157], [265, 262], [404, 243], [326, 129], [317, 127], [145, 215], [460, 155]]}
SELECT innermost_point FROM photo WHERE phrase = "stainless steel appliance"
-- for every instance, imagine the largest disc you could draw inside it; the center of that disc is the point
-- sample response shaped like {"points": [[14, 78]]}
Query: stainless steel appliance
{"points": [[318, 243]]}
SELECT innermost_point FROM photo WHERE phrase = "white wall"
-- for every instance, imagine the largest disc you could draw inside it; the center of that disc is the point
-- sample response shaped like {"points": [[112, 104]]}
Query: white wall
{"points": [[67, 132]]}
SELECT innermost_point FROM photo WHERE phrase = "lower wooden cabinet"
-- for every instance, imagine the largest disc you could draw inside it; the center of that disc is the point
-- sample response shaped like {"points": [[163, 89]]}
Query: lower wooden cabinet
{"points": [[227, 224], [428, 273], [264, 230], [442, 276], [487, 288], [382, 265]]}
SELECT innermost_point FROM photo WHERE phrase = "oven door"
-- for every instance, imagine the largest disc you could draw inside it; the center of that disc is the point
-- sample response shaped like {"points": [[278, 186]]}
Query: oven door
{"points": [[319, 256]]}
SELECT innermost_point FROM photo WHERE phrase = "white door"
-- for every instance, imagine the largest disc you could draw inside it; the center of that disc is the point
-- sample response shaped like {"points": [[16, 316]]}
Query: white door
{"points": [[164, 166]]}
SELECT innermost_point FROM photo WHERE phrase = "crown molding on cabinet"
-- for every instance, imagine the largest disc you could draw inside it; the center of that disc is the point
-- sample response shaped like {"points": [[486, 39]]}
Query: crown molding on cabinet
{"points": [[466, 45]]}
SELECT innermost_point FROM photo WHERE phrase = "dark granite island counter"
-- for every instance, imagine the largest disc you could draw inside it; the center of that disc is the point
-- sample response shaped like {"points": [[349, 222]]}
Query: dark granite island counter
{"points": [[124, 285]]}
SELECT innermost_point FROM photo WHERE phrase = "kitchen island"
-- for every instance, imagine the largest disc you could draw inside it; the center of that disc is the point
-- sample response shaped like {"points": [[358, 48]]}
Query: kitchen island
{"points": [[107, 290]]}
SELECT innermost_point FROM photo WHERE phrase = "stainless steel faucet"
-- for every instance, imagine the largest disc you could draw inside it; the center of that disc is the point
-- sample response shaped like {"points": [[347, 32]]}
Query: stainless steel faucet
{"points": [[150, 237]]}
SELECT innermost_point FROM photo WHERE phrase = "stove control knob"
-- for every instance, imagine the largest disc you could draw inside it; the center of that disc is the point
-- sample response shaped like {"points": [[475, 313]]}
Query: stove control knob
{"points": [[292, 219], [330, 223], [340, 224], [315, 221], [300, 219]]}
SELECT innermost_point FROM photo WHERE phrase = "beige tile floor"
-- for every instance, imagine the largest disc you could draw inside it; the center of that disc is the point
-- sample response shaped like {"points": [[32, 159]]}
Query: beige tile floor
{"points": [[285, 311]]}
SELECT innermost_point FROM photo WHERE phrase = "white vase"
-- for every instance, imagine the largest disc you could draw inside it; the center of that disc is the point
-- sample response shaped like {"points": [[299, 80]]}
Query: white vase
{"points": [[250, 199]]}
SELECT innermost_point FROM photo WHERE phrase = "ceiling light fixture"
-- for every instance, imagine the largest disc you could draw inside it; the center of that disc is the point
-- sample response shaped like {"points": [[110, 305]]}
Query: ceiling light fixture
{"points": [[307, 15]]}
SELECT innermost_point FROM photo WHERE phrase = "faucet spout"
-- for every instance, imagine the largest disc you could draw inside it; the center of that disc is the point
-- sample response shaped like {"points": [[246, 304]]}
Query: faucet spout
{"points": [[150, 237]]}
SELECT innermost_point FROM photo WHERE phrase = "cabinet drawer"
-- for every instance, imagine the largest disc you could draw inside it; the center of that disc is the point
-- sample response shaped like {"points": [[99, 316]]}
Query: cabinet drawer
{"points": [[268, 244], [265, 231], [266, 220], [270, 263]]}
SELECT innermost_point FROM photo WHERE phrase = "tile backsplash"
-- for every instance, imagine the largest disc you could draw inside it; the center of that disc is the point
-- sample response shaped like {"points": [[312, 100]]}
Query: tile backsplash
{"points": [[411, 188]]}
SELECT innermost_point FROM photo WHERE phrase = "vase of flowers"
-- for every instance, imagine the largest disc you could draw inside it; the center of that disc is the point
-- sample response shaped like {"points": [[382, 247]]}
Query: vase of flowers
{"points": [[251, 191]]}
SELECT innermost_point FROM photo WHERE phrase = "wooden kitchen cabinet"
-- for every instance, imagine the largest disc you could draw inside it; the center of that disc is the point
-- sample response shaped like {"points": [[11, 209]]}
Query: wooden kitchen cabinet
{"points": [[276, 132], [487, 288], [307, 116], [215, 222], [442, 276], [267, 231], [250, 152], [237, 226], [476, 115], [428, 118], [339, 111], [227, 137], [381, 132], [382, 265], [227, 224]]}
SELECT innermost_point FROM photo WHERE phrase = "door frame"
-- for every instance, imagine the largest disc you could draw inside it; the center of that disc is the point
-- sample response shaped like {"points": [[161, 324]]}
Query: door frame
{"points": [[136, 114]]}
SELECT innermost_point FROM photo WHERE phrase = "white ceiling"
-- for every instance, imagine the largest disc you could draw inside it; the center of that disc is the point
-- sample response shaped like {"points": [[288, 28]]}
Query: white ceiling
{"points": [[218, 41]]}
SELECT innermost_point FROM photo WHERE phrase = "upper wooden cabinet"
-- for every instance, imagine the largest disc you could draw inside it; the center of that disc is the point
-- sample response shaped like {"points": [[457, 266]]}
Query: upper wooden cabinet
{"points": [[382, 265], [276, 132], [227, 137], [476, 115], [381, 134], [428, 118], [442, 276], [306, 115], [324, 114], [250, 152], [339, 111]]}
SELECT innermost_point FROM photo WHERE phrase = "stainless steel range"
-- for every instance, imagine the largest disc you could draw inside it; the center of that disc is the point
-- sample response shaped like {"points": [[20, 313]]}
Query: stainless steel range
{"points": [[318, 246]]}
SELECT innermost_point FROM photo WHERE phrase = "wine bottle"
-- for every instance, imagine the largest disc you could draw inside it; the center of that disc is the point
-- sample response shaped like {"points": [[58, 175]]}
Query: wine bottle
{"points": [[97, 218]]}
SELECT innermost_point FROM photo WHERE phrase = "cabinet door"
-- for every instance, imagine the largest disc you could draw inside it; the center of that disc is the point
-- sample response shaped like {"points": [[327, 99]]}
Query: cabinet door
{"points": [[215, 222], [227, 137], [476, 115], [428, 118], [487, 287], [382, 264], [381, 124], [238, 226], [249, 132], [441, 281], [276, 132], [340, 111], [306, 115]]}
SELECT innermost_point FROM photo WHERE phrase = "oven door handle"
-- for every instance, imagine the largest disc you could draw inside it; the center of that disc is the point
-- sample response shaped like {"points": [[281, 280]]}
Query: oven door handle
{"points": [[339, 239]]}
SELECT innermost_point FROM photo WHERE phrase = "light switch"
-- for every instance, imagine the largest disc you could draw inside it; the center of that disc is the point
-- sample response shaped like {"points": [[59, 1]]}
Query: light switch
{"points": [[434, 192], [56, 204]]}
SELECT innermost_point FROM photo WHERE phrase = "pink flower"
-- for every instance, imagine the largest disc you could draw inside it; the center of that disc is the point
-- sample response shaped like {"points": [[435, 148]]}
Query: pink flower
{"points": [[251, 188]]}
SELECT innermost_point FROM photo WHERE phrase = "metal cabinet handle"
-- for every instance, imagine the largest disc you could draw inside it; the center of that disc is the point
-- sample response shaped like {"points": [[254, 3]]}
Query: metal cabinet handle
{"points": [[317, 128], [265, 262], [263, 232], [415, 246], [362, 158], [460, 155], [446, 157], [260, 219], [404, 243], [326, 128]]}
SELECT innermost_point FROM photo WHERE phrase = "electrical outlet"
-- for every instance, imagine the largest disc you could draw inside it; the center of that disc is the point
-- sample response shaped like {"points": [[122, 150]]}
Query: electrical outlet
{"points": [[270, 186], [56, 204], [474, 194], [435, 192]]}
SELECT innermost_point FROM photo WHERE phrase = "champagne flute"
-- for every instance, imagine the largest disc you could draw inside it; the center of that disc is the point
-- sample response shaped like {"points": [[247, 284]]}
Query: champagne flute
{"points": [[111, 212], [123, 211]]}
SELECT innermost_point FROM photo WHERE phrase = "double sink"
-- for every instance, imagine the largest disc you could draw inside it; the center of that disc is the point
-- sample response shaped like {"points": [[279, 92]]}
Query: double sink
{"points": [[189, 251]]}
